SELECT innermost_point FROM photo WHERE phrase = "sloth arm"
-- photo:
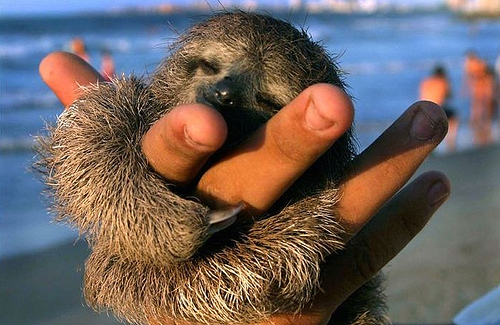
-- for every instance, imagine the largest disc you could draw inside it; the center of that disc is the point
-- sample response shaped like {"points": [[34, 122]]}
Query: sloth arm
{"points": [[376, 175]]}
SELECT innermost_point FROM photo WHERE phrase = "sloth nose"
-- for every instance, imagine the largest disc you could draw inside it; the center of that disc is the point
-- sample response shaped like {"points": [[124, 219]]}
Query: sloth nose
{"points": [[226, 93]]}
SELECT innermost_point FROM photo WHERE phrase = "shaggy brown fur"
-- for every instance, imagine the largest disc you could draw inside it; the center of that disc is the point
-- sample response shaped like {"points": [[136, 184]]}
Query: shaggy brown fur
{"points": [[150, 256]]}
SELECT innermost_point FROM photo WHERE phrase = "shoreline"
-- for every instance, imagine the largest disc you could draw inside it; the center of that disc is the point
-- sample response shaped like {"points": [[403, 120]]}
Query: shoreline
{"points": [[452, 262]]}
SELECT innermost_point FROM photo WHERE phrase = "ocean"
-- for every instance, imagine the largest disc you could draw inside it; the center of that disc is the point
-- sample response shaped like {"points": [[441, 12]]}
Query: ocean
{"points": [[385, 57]]}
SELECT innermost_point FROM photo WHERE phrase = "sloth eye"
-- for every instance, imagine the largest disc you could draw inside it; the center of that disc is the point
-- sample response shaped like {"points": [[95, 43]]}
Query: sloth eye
{"points": [[266, 103], [208, 68]]}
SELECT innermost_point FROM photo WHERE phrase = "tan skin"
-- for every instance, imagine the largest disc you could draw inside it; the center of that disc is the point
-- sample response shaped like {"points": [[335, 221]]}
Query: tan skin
{"points": [[277, 154], [436, 88]]}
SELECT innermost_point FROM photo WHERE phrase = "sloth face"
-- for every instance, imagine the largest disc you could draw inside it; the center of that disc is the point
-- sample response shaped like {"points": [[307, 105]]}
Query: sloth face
{"points": [[237, 90]]}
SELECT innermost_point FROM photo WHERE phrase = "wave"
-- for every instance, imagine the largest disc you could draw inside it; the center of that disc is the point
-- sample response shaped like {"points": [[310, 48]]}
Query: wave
{"points": [[25, 100], [16, 145], [14, 52], [397, 66], [28, 46]]}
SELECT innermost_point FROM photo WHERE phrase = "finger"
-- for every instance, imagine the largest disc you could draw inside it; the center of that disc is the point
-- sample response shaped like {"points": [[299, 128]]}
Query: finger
{"points": [[263, 167], [178, 144], [384, 167], [394, 226], [64, 73]]}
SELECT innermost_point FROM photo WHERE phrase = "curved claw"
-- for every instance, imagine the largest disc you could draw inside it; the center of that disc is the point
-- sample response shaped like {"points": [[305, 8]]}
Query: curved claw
{"points": [[221, 219]]}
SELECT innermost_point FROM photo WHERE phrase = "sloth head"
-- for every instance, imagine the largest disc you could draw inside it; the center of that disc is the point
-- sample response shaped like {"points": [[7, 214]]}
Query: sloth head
{"points": [[247, 66]]}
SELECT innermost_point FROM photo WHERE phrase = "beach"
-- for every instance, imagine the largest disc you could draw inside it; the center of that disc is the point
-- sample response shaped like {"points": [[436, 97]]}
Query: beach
{"points": [[452, 262]]}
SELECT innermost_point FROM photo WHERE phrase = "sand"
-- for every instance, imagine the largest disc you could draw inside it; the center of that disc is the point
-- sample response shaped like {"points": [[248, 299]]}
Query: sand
{"points": [[45, 288], [452, 262], [456, 258]]}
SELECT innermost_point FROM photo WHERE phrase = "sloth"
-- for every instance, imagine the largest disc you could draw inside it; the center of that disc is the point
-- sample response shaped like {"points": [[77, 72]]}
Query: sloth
{"points": [[154, 251]]}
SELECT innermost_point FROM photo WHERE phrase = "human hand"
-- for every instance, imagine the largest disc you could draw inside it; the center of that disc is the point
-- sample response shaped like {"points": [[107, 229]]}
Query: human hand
{"points": [[188, 135], [178, 144], [381, 226]]}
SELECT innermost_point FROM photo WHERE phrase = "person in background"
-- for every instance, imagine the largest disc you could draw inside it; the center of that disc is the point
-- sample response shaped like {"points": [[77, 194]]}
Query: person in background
{"points": [[107, 65], [480, 83], [495, 106], [78, 47], [483, 106], [497, 66], [436, 88]]}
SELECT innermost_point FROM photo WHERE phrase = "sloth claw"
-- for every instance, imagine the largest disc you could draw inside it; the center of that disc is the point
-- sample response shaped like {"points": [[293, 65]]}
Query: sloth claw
{"points": [[218, 220]]}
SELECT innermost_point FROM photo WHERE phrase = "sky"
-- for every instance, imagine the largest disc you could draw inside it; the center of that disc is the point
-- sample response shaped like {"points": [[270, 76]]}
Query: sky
{"points": [[21, 7]]}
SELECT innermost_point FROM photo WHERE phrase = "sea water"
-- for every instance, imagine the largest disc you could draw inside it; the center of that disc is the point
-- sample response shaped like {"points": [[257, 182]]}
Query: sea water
{"points": [[385, 57]]}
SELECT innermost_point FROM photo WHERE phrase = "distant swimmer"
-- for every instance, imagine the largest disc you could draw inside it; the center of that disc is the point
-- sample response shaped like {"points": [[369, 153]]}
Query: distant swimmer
{"points": [[480, 82], [107, 65], [436, 88], [78, 47]]}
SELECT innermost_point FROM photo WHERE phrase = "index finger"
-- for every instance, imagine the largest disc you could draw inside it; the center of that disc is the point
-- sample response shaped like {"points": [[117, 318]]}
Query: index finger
{"points": [[65, 72]]}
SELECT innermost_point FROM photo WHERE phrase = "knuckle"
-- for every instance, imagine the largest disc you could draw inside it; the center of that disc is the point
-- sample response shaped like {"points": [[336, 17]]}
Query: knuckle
{"points": [[409, 225], [366, 261]]}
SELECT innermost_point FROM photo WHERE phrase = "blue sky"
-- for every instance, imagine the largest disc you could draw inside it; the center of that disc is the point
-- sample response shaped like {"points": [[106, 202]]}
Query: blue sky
{"points": [[60, 6]]}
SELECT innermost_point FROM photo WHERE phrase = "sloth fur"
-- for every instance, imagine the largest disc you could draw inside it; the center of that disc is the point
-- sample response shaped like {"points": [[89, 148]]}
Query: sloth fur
{"points": [[151, 253]]}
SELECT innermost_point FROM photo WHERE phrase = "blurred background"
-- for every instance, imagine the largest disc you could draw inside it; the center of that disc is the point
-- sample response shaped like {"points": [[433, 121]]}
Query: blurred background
{"points": [[386, 47]]}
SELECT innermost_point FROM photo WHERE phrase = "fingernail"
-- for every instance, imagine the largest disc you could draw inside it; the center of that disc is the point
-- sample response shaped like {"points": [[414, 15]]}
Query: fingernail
{"points": [[315, 120], [437, 193], [423, 124]]}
